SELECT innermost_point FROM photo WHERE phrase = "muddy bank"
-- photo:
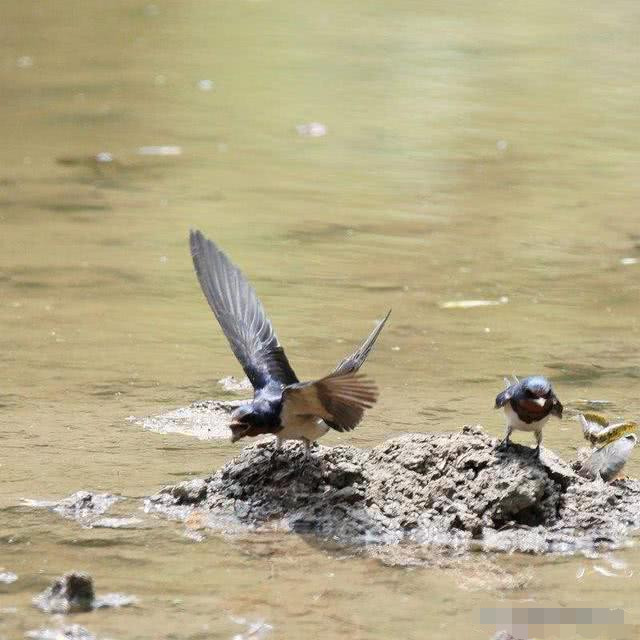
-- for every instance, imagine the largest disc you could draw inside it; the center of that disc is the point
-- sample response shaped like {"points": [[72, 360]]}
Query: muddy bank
{"points": [[448, 490]]}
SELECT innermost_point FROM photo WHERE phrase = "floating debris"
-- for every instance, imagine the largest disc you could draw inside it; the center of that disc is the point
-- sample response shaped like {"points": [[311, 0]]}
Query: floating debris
{"points": [[160, 150], [629, 261], [471, 304], [205, 85], [312, 130], [24, 62], [7, 577], [502, 145], [104, 156]]}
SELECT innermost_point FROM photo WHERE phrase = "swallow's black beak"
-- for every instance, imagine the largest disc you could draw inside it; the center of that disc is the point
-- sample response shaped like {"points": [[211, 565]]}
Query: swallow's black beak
{"points": [[556, 408], [238, 429]]}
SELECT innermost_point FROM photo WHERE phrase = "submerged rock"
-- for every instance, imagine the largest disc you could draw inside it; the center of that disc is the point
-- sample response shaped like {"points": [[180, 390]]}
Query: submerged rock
{"points": [[83, 506], [446, 490], [73, 592], [206, 420]]}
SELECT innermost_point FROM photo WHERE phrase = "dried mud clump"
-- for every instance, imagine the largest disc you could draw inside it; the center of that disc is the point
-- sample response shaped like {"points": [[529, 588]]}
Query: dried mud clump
{"points": [[448, 490]]}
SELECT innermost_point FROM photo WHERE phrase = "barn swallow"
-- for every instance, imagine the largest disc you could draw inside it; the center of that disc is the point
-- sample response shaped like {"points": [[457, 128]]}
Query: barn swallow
{"points": [[612, 444], [281, 405], [527, 404]]}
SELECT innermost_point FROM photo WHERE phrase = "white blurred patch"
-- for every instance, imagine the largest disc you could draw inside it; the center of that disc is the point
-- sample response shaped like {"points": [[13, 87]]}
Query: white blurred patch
{"points": [[160, 150], [312, 130], [471, 304], [254, 630]]}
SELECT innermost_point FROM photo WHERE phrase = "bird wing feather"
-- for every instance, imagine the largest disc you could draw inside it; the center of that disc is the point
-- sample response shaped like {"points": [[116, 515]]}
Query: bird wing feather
{"points": [[240, 314], [354, 361], [504, 396], [608, 461], [340, 399]]}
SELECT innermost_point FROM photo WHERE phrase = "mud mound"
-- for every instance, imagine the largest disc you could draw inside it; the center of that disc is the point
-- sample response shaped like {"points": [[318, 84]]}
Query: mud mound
{"points": [[449, 490]]}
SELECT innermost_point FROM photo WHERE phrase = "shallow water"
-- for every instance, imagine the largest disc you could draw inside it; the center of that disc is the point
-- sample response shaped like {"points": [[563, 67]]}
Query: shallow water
{"points": [[471, 153]]}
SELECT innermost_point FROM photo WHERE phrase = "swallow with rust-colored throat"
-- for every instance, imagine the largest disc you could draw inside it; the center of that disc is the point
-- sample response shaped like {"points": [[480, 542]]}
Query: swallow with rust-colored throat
{"points": [[527, 405]]}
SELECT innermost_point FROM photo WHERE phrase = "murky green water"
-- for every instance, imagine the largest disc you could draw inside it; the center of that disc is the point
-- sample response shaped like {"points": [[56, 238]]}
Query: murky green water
{"points": [[473, 151]]}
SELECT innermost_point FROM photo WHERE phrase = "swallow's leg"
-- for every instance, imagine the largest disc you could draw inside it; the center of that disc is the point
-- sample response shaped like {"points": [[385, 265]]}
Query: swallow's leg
{"points": [[307, 449], [536, 451], [276, 451], [504, 444]]}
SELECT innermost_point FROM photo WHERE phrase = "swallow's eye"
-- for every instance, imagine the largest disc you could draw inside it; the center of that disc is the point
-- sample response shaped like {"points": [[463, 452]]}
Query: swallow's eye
{"points": [[529, 393]]}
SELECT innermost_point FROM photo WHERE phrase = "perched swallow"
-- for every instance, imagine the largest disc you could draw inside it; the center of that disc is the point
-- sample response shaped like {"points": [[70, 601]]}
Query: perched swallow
{"points": [[527, 404], [612, 444], [281, 405]]}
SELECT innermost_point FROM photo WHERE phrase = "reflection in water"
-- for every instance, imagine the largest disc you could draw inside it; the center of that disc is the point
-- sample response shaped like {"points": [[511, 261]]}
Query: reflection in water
{"points": [[470, 153]]}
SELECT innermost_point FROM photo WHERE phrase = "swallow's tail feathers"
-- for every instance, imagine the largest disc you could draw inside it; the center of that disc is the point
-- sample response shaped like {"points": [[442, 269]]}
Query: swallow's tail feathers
{"points": [[340, 399], [353, 362]]}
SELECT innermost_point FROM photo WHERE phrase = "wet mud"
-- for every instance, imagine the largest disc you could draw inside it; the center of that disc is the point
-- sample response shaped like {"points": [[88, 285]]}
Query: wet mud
{"points": [[448, 490]]}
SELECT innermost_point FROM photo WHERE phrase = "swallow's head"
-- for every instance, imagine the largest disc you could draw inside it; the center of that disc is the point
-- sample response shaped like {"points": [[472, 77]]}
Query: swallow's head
{"points": [[242, 422], [533, 397], [537, 390]]}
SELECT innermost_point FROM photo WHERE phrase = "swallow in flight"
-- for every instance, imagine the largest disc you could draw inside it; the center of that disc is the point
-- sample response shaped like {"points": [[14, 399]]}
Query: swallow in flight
{"points": [[281, 405]]}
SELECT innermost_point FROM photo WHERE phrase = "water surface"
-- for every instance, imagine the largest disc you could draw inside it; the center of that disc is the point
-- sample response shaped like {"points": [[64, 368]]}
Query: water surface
{"points": [[472, 152]]}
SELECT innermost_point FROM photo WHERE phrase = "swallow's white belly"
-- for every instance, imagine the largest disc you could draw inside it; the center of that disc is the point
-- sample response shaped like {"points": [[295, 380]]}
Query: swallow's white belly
{"points": [[299, 427], [515, 423]]}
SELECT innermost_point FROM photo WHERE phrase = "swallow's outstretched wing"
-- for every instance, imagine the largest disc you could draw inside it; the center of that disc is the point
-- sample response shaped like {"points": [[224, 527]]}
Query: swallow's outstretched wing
{"points": [[339, 399], [354, 361], [240, 314], [597, 430]]}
